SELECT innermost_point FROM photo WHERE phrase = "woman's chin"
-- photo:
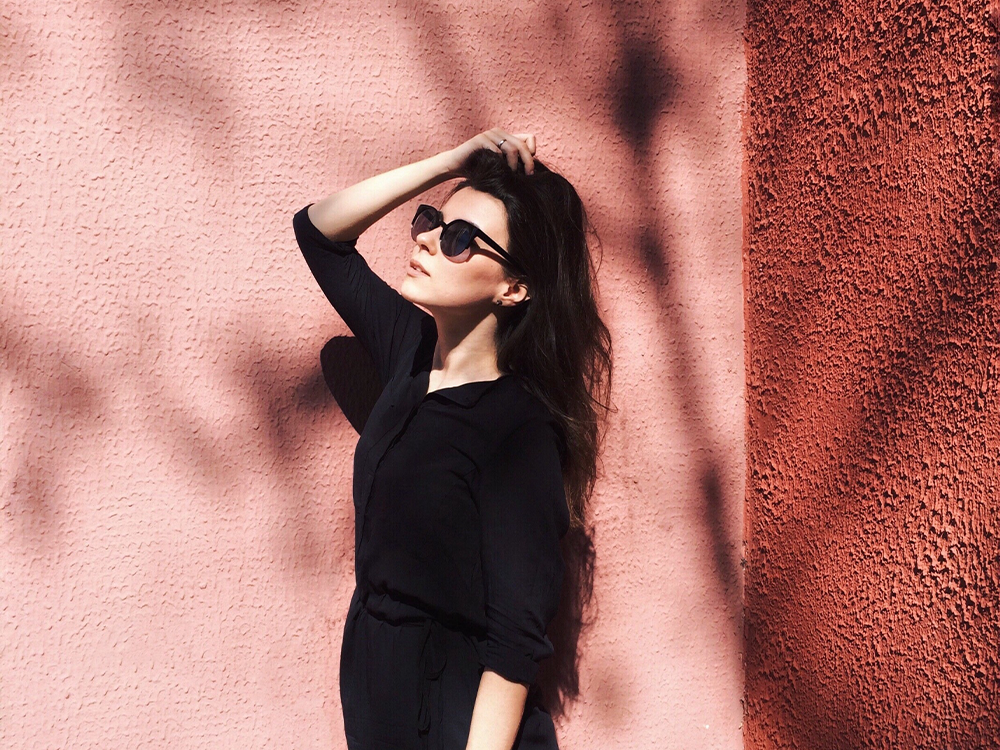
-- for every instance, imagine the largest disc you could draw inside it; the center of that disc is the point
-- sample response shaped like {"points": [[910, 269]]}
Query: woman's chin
{"points": [[414, 299]]}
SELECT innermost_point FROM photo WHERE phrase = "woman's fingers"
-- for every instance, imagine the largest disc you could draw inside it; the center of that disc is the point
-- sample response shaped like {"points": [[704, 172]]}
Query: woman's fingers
{"points": [[520, 147], [516, 147], [505, 144], [525, 154], [529, 141], [497, 138]]}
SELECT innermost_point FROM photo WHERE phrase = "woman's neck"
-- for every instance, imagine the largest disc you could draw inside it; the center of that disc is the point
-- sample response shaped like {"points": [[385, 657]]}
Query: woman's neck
{"points": [[465, 352]]}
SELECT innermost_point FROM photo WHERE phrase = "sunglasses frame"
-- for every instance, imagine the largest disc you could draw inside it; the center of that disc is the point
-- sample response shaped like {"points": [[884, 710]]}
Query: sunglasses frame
{"points": [[477, 233]]}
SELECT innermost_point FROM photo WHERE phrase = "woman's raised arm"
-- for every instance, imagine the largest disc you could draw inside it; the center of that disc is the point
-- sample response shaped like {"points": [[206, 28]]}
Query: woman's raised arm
{"points": [[344, 215]]}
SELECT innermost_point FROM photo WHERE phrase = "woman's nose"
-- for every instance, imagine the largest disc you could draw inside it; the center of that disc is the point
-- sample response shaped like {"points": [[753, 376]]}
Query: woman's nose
{"points": [[430, 240]]}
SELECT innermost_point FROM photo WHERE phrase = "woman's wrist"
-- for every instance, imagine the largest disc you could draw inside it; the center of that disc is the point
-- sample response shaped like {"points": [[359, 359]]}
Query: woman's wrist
{"points": [[449, 164], [440, 168]]}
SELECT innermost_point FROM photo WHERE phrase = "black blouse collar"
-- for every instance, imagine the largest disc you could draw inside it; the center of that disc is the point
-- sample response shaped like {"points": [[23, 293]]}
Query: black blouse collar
{"points": [[466, 394]]}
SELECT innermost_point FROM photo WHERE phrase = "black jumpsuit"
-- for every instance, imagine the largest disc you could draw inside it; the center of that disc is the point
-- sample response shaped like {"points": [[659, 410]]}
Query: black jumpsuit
{"points": [[459, 509]]}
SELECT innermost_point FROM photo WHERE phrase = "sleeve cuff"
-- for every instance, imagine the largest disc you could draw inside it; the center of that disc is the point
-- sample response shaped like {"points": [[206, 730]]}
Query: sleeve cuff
{"points": [[307, 233], [510, 664]]}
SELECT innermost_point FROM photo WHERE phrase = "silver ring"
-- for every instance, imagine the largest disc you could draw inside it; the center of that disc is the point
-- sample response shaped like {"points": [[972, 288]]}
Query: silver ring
{"points": [[502, 141]]}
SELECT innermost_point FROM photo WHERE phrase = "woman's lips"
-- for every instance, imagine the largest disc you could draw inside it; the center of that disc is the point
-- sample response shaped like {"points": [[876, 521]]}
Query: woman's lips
{"points": [[415, 268]]}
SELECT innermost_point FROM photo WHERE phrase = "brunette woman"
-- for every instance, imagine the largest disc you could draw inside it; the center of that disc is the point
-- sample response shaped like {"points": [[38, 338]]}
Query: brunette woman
{"points": [[481, 451]]}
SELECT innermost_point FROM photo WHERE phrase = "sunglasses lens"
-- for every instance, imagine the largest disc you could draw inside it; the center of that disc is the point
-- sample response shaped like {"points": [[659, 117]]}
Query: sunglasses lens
{"points": [[424, 221], [456, 240]]}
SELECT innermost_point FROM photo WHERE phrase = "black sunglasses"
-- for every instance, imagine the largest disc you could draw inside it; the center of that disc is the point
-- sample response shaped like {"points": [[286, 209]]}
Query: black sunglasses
{"points": [[456, 236]]}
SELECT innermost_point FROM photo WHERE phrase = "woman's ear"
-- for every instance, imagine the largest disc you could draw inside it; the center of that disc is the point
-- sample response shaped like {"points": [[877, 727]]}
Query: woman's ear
{"points": [[516, 292], [520, 286]]}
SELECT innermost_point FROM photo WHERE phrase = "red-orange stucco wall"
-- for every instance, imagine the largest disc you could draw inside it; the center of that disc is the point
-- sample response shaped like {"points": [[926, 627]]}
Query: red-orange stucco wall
{"points": [[872, 364]]}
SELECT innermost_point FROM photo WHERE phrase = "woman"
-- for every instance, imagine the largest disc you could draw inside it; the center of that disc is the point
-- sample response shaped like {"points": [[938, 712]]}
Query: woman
{"points": [[480, 452]]}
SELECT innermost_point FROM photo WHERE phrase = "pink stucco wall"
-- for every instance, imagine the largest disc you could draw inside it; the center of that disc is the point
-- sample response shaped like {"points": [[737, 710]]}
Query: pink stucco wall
{"points": [[176, 550]]}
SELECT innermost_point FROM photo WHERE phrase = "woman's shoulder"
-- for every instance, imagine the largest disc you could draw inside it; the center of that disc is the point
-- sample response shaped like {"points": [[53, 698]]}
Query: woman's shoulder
{"points": [[515, 410], [515, 397]]}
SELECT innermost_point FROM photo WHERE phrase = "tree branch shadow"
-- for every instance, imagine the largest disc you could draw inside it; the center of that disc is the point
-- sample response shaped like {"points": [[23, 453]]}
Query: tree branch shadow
{"points": [[64, 405], [646, 87]]}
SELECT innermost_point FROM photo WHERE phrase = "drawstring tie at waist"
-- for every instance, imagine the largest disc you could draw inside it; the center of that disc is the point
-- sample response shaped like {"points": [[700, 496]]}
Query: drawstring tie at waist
{"points": [[433, 657], [432, 661]]}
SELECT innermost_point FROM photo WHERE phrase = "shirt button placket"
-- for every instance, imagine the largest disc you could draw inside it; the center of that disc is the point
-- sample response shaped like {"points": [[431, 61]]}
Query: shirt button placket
{"points": [[399, 430]]}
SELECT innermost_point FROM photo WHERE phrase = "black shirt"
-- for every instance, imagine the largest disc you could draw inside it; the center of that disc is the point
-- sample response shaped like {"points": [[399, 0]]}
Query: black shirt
{"points": [[458, 493]]}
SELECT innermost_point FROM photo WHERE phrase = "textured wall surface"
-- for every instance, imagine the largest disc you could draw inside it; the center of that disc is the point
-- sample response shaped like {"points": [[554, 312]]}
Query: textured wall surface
{"points": [[873, 566], [177, 528]]}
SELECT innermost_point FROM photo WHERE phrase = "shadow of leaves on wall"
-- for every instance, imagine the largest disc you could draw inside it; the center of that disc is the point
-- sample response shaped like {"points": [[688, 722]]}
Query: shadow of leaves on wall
{"points": [[644, 88], [63, 407]]}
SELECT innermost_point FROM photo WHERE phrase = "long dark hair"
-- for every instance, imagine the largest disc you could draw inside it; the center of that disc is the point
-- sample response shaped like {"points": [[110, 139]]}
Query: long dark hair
{"points": [[556, 342]]}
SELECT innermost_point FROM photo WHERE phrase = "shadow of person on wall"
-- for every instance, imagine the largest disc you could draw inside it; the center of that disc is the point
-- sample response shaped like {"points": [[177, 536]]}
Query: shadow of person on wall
{"points": [[351, 376]]}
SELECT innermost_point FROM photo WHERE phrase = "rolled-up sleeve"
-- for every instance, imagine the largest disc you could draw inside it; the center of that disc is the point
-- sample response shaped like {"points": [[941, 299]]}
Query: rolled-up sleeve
{"points": [[379, 317], [522, 507]]}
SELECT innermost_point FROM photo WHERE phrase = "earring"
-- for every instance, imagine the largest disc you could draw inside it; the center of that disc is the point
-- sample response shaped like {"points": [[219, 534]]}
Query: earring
{"points": [[498, 302]]}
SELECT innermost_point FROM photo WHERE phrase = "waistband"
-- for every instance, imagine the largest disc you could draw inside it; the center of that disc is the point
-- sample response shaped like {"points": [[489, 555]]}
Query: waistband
{"points": [[433, 648], [438, 640], [392, 610], [386, 607]]}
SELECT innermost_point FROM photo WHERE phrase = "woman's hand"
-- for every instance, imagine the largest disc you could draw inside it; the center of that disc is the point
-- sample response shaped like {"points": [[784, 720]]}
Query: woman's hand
{"points": [[519, 147]]}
